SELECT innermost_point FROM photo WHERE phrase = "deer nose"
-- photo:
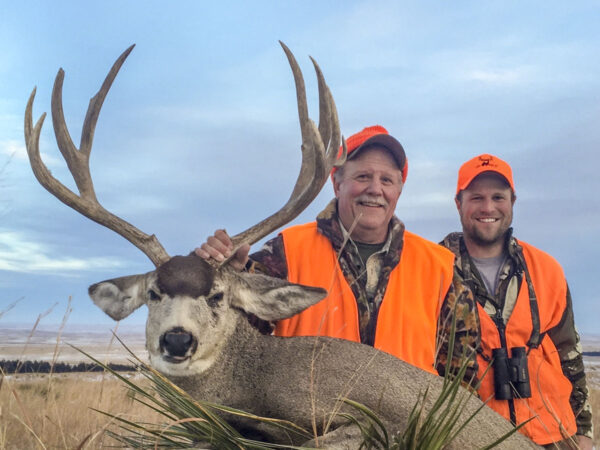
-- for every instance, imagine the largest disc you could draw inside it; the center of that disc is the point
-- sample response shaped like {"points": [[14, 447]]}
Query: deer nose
{"points": [[177, 342]]}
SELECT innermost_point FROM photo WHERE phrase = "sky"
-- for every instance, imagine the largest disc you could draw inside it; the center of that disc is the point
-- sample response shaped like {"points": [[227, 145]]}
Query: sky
{"points": [[200, 128]]}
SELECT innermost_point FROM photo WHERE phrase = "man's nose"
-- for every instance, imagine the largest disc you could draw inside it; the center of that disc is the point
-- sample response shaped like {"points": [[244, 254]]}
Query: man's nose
{"points": [[487, 205], [375, 186]]}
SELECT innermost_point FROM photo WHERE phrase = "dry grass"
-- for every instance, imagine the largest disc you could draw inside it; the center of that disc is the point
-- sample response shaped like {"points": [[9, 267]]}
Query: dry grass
{"points": [[595, 400], [42, 411]]}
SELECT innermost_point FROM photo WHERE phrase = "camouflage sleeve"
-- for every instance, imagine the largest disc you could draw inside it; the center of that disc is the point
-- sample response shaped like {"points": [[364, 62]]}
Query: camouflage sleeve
{"points": [[459, 316], [270, 259], [566, 340]]}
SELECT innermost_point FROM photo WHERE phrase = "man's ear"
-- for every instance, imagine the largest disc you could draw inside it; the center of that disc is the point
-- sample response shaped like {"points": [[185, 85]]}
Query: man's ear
{"points": [[336, 187], [271, 298], [457, 202], [336, 180]]}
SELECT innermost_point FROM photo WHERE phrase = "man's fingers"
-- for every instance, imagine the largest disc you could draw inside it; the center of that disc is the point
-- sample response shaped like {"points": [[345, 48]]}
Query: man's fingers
{"points": [[214, 244], [202, 253], [206, 251], [222, 236], [218, 247]]}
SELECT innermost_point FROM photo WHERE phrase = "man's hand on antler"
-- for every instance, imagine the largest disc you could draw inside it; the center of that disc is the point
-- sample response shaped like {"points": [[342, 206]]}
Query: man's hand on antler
{"points": [[219, 248]]}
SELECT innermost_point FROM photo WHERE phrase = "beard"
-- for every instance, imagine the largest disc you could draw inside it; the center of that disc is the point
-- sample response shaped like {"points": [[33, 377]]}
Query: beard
{"points": [[483, 239]]}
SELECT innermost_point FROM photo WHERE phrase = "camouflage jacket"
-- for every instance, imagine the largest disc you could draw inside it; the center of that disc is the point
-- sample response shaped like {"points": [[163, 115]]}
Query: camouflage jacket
{"points": [[368, 281], [564, 335]]}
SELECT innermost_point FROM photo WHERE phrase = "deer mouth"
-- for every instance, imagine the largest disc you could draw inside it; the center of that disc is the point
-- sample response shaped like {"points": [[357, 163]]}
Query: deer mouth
{"points": [[175, 359], [177, 345]]}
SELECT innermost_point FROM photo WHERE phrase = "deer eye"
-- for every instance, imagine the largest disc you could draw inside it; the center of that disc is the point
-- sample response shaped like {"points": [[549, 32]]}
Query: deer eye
{"points": [[214, 299], [152, 295]]}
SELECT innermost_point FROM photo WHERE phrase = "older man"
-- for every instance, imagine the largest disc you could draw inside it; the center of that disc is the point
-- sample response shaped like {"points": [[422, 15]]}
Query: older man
{"points": [[525, 311], [388, 288]]}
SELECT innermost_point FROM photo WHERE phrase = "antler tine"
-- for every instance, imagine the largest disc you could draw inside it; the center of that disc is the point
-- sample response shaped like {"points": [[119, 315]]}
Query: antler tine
{"points": [[77, 160], [319, 146], [319, 154], [96, 102], [312, 143], [328, 109], [324, 107], [78, 164]]}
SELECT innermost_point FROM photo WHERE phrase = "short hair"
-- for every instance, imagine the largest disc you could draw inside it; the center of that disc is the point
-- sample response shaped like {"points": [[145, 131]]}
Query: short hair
{"points": [[494, 175]]}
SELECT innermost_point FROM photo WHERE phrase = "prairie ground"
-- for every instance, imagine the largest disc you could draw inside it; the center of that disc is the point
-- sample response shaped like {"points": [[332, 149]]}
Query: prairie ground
{"points": [[596, 409], [57, 411]]}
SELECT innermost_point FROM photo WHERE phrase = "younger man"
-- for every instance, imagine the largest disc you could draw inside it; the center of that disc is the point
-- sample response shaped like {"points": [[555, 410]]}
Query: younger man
{"points": [[525, 311]]}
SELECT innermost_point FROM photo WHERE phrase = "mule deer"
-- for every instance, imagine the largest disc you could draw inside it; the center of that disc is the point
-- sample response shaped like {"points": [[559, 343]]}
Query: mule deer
{"points": [[197, 331]]}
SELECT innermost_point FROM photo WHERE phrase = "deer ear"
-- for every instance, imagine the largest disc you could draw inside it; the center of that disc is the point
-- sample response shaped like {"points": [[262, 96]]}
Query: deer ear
{"points": [[119, 297], [271, 298]]}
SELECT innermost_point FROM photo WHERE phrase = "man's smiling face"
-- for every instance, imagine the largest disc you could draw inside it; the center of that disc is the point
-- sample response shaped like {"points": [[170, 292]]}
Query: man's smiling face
{"points": [[367, 191], [486, 210]]}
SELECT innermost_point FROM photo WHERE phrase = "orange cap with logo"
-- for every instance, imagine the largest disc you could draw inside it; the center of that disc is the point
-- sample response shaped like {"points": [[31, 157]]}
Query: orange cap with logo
{"points": [[376, 135], [480, 164]]}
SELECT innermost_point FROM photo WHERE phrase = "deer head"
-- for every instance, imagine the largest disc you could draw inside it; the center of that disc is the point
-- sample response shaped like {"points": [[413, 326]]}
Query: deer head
{"points": [[193, 308], [193, 305]]}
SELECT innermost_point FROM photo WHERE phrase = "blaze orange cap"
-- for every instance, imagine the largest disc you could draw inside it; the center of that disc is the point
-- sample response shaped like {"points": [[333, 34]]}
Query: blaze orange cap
{"points": [[480, 164], [376, 135]]}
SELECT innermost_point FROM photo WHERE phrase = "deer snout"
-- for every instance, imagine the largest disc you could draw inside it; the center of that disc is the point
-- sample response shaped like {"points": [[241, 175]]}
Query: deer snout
{"points": [[177, 345]]}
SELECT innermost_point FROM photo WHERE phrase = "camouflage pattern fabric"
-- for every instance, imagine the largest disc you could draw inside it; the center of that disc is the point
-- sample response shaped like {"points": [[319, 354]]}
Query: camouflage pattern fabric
{"points": [[564, 335], [368, 281]]}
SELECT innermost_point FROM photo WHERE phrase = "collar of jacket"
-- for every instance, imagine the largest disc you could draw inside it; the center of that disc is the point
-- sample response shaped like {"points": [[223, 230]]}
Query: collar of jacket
{"points": [[329, 225], [463, 264], [456, 244]]}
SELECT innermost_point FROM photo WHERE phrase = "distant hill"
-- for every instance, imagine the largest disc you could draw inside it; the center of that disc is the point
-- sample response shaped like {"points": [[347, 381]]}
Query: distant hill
{"points": [[15, 366]]}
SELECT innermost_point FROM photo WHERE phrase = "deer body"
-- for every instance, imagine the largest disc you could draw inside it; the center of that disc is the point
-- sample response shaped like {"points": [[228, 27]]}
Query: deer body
{"points": [[198, 334], [301, 379]]}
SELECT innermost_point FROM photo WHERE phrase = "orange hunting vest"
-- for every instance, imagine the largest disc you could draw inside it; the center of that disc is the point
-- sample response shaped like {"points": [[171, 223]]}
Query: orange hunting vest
{"points": [[550, 389], [407, 320]]}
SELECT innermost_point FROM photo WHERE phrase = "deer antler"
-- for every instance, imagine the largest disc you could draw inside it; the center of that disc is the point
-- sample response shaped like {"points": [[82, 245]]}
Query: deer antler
{"points": [[320, 148], [77, 161], [319, 155]]}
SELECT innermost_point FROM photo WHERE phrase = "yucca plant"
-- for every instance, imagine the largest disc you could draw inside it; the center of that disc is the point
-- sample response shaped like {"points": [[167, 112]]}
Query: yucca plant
{"points": [[187, 422]]}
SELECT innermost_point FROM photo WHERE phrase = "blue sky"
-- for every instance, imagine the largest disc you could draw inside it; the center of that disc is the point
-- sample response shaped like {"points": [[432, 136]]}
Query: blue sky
{"points": [[200, 131]]}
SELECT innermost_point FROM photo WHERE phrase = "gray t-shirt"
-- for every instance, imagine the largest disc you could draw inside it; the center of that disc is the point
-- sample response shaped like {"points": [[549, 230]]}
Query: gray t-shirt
{"points": [[489, 269]]}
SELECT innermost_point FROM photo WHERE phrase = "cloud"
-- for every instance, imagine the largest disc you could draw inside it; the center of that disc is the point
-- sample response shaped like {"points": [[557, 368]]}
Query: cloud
{"points": [[13, 149], [17, 254], [504, 67], [17, 150], [498, 76]]}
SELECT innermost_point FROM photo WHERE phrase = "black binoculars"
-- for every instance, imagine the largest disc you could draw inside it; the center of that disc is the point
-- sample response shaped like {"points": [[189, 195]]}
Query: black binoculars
{"points": [[511, 375]]}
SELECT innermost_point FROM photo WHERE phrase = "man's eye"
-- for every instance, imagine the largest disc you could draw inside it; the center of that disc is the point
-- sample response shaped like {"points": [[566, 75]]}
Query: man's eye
{"points": [[152, 295]]}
